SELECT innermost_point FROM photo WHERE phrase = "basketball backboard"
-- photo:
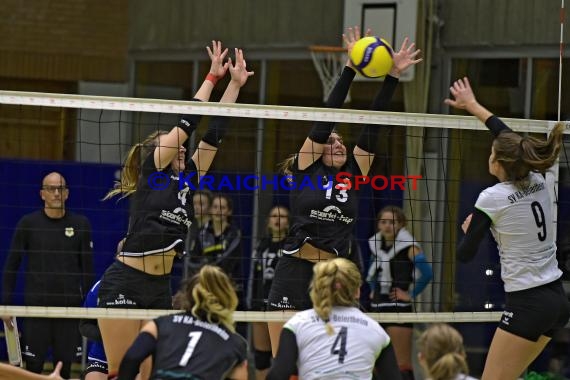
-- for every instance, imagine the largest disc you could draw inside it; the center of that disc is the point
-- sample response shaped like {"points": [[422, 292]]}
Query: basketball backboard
{"points": [[392, 20]]}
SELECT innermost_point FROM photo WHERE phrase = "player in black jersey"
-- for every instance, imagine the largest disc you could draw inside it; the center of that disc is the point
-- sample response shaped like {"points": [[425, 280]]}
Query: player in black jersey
{"points": [[518, 210], [264, 261], [161, 212], [200, 343], [323, 216]]}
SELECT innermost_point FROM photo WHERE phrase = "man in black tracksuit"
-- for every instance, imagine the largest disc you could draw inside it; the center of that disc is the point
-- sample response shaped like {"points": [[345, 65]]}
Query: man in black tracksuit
{"points": [[58, 247]]}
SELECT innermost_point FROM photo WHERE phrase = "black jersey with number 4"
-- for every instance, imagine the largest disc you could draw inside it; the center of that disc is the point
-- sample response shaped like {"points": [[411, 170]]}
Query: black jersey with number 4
{"points": [[322, 214], [189, 348], [161, 216]]}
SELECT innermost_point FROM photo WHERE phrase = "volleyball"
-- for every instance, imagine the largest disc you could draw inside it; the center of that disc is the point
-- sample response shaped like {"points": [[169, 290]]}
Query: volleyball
{"points": [[372, 57]]}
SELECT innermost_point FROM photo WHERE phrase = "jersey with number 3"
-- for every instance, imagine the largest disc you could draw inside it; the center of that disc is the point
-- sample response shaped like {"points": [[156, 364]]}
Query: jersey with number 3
{"points": [[523, 229], [350, 353], [189, 348], [321, 213]]}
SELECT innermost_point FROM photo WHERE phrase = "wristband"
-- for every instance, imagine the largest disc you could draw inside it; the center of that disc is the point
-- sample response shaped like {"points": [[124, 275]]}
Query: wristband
{"points": [[212, 78]]}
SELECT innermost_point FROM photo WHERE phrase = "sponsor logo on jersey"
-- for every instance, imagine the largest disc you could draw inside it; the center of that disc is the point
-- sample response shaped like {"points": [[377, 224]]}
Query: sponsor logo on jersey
{"points": [[330, 214]]}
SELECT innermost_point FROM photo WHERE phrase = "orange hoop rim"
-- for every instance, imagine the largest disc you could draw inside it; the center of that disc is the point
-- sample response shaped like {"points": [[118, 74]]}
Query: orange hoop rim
{"points": [[327, 49]]}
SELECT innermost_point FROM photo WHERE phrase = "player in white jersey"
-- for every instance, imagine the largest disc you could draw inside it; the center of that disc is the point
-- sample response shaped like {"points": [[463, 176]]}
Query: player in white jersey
{"points": [[518, 211], [334, 340], [441, 353]]}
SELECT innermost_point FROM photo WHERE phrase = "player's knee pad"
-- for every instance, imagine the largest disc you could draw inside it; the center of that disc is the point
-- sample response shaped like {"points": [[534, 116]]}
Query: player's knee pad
{"points": [[94, 366], [262, 359]]}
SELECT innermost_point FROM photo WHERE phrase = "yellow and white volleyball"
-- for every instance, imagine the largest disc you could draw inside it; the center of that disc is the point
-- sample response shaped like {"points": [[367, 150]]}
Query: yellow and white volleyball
{"points": [[372, 57]]}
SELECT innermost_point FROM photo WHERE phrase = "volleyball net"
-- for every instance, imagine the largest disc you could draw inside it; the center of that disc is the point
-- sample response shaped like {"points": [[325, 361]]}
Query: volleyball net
{"points": [[432, 166]]}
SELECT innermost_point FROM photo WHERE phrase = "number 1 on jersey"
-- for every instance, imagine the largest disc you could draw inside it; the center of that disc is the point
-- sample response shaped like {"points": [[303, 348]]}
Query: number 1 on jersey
{"points": [[194, 338], [339, 345]]}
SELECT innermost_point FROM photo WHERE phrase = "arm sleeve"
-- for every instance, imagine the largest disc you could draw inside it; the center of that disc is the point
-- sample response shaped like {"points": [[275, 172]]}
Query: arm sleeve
{"points": [[143, 346], [216, 130], [480, 224], [86, 258], [426, 274], [369, 134], [386, 366], [17, 250], [322, 129], [285, 363], [496, 126]]}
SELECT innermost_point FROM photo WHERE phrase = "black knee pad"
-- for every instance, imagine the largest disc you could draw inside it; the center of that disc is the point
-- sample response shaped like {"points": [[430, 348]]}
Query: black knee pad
{"points": [[94, 366], [262, 359]]}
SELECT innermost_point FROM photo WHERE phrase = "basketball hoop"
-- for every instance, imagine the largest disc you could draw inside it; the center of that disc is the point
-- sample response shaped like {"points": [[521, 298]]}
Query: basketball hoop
{"points": [[329, 62]]}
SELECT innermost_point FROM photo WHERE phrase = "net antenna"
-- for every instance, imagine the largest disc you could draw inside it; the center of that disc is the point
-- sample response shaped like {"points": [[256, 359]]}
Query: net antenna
{"points": [[329, 62]]}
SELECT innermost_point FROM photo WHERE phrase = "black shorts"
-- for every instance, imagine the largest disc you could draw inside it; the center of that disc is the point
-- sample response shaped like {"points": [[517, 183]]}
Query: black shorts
{"points": [[381, 303], [290, 287], [538, 311], [124, 287]]}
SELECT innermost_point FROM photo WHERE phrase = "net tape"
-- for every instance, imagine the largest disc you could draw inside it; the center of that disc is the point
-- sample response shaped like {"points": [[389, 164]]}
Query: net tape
{"points": [[266, 111]]}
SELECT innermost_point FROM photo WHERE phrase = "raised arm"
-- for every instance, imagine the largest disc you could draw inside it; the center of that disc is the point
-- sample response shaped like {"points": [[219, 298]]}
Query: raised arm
{"points": [[366, 145], [313, 147], [465, 99], [170, 143], [208, 147]]}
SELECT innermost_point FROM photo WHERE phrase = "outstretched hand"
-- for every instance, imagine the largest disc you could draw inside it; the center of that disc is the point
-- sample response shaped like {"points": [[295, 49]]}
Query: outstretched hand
{"points": [[350, 37], [218, 68], [55, 374], [404, 58], [239, 71], [462, 93]]}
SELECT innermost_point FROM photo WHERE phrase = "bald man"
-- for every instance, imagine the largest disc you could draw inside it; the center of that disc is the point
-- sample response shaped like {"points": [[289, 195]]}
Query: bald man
{"points": [[57, 245]]}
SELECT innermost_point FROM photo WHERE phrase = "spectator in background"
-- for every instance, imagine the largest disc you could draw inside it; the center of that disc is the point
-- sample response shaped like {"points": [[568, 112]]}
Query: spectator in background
{"points": [[264, 261], [441, 353], [219, 243], [396, 255], [202, 200], [58, 247]]}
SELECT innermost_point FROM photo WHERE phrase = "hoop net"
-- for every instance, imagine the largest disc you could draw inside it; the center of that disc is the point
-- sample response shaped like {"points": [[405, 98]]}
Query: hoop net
{"points": [[329, 62]]}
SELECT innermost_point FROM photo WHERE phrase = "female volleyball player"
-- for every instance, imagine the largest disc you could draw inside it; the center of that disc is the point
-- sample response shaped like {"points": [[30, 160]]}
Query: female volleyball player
{"points": [[518, 210], [200, 343], [140, 277], [395, 257], [264, 260], [334, 339], [441, 353], [322, 220]]}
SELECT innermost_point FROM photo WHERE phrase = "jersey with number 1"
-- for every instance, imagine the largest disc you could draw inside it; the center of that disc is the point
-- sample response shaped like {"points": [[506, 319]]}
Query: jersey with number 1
{"points": [[522, 226], [350, 353], [190, 348]]}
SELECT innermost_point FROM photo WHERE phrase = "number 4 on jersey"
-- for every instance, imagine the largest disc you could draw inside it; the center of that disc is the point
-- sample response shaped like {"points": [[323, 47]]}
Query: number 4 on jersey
{"points": [[339, 345]]}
